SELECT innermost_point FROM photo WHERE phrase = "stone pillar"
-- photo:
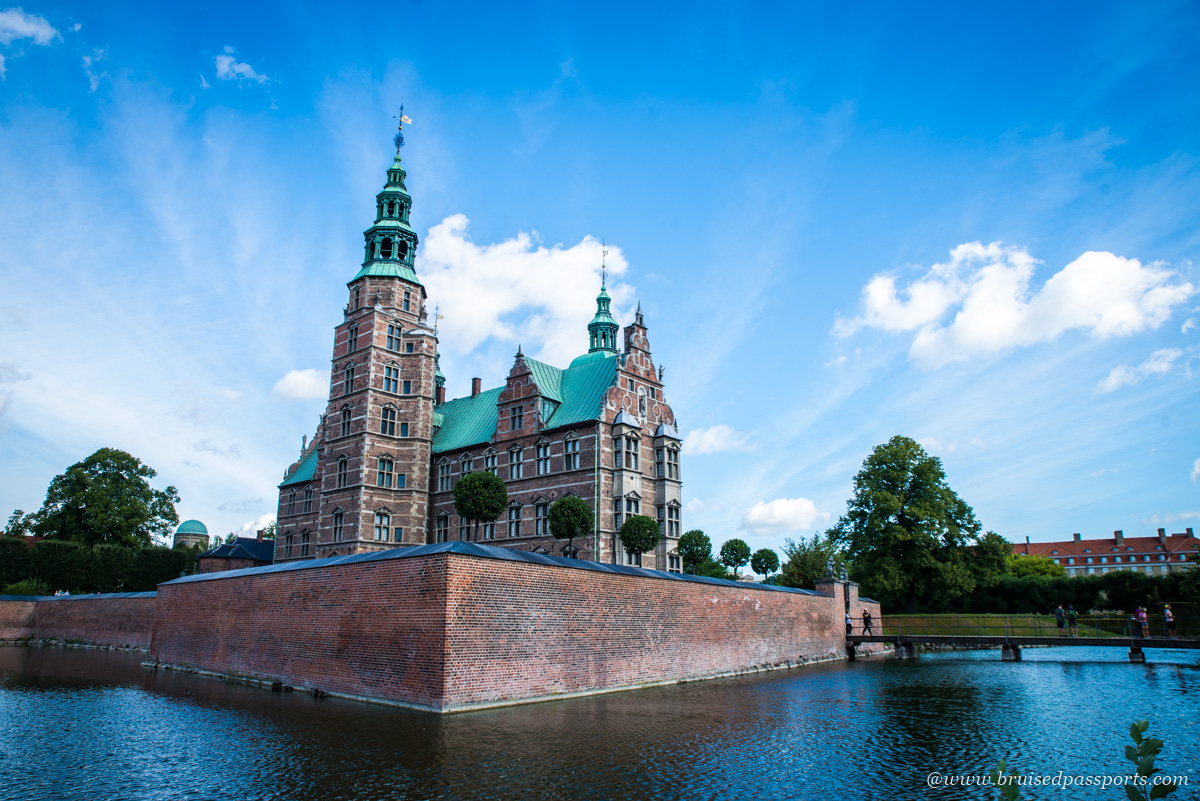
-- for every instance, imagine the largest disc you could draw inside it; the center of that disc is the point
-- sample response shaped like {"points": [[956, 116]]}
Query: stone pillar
{"points": [[1010, 653], [836, 589], [1136, 654]]}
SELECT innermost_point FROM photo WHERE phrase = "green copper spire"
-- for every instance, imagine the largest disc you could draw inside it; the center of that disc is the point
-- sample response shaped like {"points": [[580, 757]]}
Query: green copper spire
{"points": [[602, 330], [390, 242]]}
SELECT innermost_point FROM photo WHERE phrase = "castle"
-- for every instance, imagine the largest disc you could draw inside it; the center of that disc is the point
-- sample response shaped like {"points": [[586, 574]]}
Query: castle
{"points": [[380, 470]]}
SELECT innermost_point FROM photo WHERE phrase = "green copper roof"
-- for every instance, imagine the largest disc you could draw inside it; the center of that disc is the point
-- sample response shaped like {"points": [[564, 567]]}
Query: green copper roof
{"points": [[304, 471], [466, 421], [590, 356], [579, 390], [191, 527], [387, 269]]}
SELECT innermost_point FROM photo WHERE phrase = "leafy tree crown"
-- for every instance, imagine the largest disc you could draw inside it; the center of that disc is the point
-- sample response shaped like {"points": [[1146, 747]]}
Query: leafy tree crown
{"points": [[764, 561], [735, 553], [695, 548], [570, 517], [480, 496], [639, 534]]}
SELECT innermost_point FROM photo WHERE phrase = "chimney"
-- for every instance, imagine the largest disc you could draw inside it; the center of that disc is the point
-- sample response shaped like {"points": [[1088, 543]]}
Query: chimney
{"points": [[1027, 545], [1076, 535], [476, 386], [260, 533], [1119, 536], [1189, 533], [1162, 536]]}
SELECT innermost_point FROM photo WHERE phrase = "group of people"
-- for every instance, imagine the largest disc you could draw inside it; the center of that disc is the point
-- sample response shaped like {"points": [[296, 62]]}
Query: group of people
{"points": [[1141, 621], [866, 619]]}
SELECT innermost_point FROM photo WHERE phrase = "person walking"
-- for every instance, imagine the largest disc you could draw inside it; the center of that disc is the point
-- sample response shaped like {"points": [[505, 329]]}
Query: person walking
{"points": [[1060, 619], [849, 623], [1169, 620], [1072, 621], [866, 616]]}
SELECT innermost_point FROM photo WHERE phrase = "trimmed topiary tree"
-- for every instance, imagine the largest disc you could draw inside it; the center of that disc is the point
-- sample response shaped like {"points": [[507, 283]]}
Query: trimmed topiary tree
{"points": [[734, 554], [570, 517], [764, 562], [639, 534], [480, 496], [695, 548]]}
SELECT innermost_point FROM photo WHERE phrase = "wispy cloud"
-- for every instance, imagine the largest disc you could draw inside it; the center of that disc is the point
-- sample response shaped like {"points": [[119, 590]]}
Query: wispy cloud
{"points": [[1195, 475], [988, 291], [782, 515], [716, 439], [230, 69], [301, 385], [1161, 362], [88, 63], [16, 25]]}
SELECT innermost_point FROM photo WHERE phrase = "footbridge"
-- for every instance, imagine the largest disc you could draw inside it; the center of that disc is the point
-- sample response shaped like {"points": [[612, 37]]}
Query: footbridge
{"points": [[1010, 634]]}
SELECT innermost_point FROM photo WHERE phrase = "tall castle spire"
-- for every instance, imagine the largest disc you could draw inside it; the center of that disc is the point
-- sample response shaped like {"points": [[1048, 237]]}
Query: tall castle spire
{"points": [[390, 243], [602, 330]]}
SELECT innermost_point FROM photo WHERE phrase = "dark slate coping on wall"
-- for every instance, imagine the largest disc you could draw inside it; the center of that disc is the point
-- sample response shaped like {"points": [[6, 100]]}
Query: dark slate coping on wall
{"points": [[484, 552], [867, 600], [78, 596]]}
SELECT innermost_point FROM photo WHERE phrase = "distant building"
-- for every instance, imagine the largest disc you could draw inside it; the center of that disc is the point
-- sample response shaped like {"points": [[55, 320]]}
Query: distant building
{"points": [[191, 532], [242, 552], [1165, 553]]}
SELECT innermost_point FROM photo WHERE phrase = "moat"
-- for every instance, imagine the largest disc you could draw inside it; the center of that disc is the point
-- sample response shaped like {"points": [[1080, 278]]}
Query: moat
{"points": [[87, 724]]}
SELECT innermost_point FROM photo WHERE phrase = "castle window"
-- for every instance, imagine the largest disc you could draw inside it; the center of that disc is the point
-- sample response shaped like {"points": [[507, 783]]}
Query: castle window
{"points": [[393, 337], [401, 249], [653, 393], [516, 418], [629, 384], [631, 453], [404, 429], [543, 459], [391, 379], [385, 250], [489, 531], [442, 528], [352, 338], [342, 473], [345, 421], [400, 480], [466, 465], [516, 463], [464, 529], [443, 477], [660, 462], [490, 461], [338, 520], [673, 522], [304, 542], [307, 500], [385, 472], [387, 421], [617, 514], [672, 463], [391, 208], [348, 380], [571, 454], [407, 299], [408, 347], [674, 565], [541, 517], [631, 507], [407, 387], [287, 549], [633, 559], [662, 520], [357, 297], [514, 521], [291, 507], [382, 522]]}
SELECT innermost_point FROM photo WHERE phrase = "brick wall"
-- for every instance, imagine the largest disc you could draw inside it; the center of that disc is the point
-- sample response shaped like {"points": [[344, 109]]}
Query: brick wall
{"points": [[455, 625], [18, 613], [124, 619]]}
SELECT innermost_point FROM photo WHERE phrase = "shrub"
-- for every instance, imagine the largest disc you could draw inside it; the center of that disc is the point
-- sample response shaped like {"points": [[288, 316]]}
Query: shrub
{"points": [[26, 587]]}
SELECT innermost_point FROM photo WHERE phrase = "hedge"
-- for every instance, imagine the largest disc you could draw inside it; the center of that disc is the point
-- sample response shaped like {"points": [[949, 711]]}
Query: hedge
{"points": [[78, 568]]}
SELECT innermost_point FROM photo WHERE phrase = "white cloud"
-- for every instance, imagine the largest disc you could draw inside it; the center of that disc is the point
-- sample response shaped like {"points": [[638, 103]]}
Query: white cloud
{"points": [[230, 69], [1196, 470], [16, 24], [716, 439], [88, 61], [1168, 519], [1188, 325], [988, 290], [1160, 362], [301, 385], [697, 505], [782, 515], [251, 527], [517, 291]]}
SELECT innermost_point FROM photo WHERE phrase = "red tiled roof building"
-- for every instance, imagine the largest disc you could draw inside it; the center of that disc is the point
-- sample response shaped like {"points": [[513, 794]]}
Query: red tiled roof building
{"points": [[1164, 553]]}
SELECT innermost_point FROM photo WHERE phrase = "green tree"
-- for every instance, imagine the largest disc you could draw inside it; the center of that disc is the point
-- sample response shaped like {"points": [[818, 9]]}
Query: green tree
{"points": [[906, 532], [570, 517], [807, 561], [107, 498], [16, 560], [268, 533], [695, 548], [764, 562], [480, 496], [734, 554], [1022, 565], [19, 524], [989, 558], [639, 534], [713, 569]]}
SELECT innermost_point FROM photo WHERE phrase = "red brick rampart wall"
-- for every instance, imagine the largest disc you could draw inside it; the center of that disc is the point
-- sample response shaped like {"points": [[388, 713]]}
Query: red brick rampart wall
{"points": [[442, 629], [122, 619], [373, 629]]}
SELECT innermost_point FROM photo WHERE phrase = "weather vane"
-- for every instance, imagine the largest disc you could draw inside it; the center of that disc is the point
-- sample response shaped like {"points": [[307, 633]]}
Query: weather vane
{"points": [[437, 316], [603, 267], [400, 120]]}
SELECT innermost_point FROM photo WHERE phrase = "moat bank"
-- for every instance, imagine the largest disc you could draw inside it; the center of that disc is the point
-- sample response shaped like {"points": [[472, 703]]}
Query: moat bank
{"points": [[865, 730]]}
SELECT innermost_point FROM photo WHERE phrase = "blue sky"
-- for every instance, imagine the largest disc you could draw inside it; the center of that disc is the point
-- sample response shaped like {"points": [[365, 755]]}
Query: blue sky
{"points": [[973, 226]]}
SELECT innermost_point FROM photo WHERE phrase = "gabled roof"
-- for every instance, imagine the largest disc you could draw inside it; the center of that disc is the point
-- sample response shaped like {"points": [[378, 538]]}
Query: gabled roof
{"points": [[245, 548], [304, 471], [1107, 546], [579, 390]]}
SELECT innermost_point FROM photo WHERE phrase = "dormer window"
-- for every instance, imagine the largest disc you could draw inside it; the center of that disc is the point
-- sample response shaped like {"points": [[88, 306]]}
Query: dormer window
{"points": [[1087, 550], [1054, 553]]}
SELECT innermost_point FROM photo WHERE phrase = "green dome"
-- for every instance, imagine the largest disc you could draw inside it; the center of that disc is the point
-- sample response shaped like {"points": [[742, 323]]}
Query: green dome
{"points": [[192, 527], [588, 358]]}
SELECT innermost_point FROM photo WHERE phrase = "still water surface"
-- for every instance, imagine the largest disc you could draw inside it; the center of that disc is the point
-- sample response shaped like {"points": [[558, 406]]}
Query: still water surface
{"points": [[81, 724]]}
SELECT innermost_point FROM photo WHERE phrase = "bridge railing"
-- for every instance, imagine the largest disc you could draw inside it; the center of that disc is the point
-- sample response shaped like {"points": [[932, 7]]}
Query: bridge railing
{"points": [[1093, 626]]}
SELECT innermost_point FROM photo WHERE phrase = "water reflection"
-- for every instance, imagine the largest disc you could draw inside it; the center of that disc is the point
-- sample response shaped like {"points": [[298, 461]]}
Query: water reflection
{"points": [[79, 724]]}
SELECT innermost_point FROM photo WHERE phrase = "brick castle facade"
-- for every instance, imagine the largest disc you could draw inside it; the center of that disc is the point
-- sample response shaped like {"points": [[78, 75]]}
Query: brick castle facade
{"points": [[380, 470]]}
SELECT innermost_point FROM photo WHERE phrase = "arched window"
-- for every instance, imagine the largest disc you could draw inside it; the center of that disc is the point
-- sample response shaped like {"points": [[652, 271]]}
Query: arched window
{"points": [[391, 208], [348, 379], [345, 421], [308, 495], [352, 338], [342, 472], [291, 507], [338, 526], [385, 250]]}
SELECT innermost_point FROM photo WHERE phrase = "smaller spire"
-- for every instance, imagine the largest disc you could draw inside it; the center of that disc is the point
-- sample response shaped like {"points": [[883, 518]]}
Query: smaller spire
{"points": [[638, 318], [519, 354]]}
